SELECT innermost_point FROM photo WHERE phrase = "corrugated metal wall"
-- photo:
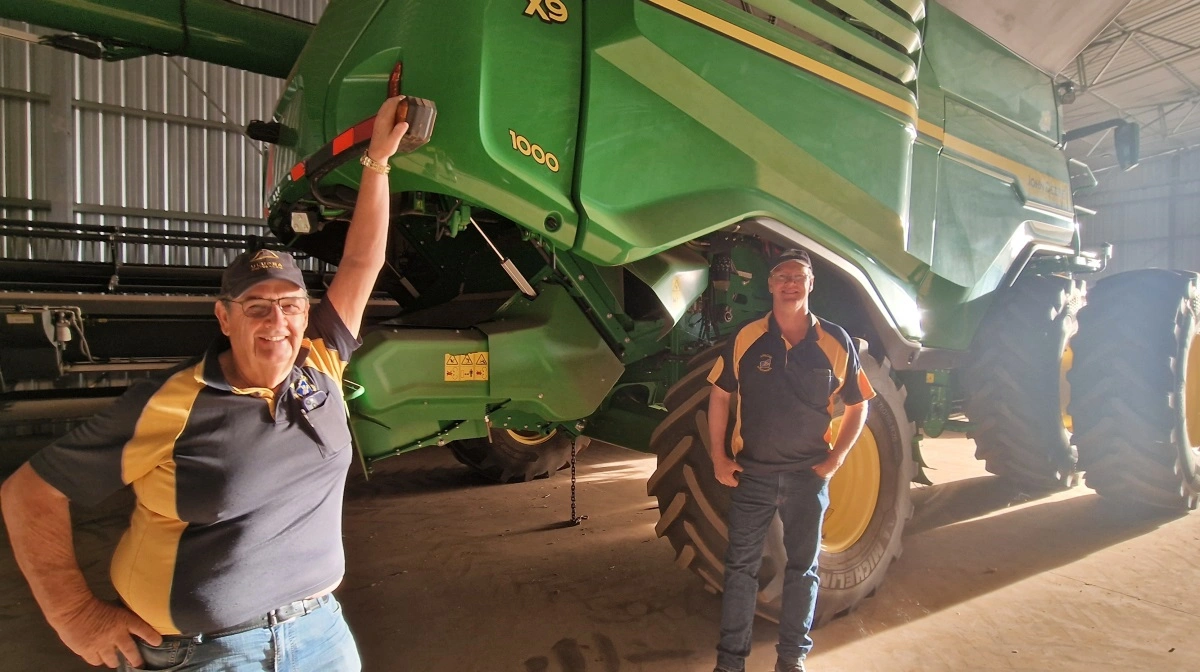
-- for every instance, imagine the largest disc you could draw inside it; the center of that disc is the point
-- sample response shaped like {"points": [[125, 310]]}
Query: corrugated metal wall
{"points": [[24, 126], [153, 142], [1150, 214]]}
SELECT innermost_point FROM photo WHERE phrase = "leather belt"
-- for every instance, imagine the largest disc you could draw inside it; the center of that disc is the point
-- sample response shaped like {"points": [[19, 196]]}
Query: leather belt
{"points": [[284, 614]]}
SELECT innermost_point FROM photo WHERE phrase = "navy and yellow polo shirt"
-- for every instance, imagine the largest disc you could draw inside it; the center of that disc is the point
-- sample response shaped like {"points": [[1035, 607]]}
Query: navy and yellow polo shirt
{"points": [[239, 494], [786, 392]]}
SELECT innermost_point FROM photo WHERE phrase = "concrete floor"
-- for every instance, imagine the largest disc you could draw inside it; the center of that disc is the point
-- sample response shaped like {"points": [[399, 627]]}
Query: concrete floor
{"points": [[448, 574]]}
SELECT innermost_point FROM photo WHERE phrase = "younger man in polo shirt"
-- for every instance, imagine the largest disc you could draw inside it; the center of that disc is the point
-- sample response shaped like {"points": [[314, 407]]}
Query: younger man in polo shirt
{"points": [[787, 368]]}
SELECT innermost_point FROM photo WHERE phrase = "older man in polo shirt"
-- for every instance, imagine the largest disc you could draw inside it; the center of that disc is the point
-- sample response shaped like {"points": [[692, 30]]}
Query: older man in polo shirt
{"points": [[787, 368], [237, 460]]}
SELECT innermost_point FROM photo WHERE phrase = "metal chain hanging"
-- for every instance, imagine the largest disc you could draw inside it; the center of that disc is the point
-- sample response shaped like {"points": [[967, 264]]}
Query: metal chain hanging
{"points": [[575, 520]]}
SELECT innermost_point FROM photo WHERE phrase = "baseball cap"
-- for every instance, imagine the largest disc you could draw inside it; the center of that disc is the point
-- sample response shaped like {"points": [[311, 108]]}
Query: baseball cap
{"points": [[793, 254], [255, 266]]}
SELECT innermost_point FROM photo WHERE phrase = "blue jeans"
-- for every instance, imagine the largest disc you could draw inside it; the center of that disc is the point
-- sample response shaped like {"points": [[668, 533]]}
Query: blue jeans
{"points": [[318, 642], [801, 499]]}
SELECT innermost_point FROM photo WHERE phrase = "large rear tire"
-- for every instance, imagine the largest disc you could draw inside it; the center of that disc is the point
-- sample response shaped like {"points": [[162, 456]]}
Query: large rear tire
{"points": [[515, 457], [698, 368], [1135, 388], [869, 500], [1015, 385]]}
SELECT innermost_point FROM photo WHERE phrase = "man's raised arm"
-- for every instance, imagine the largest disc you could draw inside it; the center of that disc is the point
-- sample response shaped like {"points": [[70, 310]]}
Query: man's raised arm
{"points": [[366, 240]]}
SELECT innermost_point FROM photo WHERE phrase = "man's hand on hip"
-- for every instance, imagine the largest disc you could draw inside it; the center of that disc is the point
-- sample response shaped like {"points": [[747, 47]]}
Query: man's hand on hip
{"points": [[726, 471], [99, 629], [830, 466]]}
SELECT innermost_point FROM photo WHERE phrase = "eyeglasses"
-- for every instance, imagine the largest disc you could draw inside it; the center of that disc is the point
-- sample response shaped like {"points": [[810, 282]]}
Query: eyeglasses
{"points": [[783, 279], [257, 309]]}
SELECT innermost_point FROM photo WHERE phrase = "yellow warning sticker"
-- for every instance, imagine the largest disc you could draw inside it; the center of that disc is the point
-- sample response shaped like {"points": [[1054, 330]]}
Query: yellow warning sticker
{"points": [[466, 367]]}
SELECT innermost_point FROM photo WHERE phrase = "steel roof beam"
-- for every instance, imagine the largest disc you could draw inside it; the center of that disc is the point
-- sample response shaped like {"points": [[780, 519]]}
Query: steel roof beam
{"points": [[1150, 67]]}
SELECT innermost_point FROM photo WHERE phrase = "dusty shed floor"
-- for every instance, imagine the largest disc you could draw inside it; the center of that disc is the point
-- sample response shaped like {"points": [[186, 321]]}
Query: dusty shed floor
{"points": [[448, 574]]}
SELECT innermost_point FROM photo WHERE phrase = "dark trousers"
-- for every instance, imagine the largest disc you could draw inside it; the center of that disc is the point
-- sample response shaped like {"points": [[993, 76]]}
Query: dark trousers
{"points": [[800, 498]]}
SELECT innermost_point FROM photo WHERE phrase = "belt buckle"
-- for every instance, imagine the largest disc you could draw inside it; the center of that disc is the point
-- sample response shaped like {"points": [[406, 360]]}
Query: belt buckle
{"points": [[273, 619], [276, 618], [290, 612]]}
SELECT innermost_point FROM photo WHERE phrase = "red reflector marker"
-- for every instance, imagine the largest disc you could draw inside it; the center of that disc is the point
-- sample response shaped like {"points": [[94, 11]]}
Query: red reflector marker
{"points": [[362, 131], [343, 142], [394, 80], [297, 172]]}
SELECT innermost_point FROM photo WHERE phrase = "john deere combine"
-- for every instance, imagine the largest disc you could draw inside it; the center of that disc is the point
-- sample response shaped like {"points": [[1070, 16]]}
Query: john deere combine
{"points": [[633, 162]]}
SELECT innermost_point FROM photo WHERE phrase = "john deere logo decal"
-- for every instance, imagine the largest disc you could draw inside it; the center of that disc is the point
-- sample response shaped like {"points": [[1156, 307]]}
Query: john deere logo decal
{"points": [[764, 363]]}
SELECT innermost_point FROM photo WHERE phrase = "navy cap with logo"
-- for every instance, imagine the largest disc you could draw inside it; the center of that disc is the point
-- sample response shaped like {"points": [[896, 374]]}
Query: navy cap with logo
{"points": [[251, 268], [793, 254]]}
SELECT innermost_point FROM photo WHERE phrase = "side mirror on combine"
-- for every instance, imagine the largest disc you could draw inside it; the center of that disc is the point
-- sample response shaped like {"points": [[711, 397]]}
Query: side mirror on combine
{"points": [[1126, 138]]}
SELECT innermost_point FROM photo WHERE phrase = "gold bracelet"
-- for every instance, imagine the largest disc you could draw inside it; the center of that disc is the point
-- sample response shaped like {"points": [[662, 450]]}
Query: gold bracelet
{"points": [[381, 168]]}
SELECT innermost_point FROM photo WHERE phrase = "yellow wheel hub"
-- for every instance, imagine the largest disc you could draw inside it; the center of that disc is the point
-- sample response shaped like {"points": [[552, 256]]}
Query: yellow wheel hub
{"points": [[1191, 392], [1064, 388], [530, 438], [853, 493]]}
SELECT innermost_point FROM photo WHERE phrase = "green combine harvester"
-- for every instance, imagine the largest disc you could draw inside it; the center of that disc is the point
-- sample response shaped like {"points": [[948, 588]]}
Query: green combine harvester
{"points": [[634, 162]]}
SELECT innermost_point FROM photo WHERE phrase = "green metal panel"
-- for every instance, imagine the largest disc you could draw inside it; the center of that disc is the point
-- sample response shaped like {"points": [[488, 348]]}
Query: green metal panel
{"points": [[504, 82], [976, 240], [215, 31], [546, 363], [406, 402], [679, 141], [548, 358], [601, 289]]}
